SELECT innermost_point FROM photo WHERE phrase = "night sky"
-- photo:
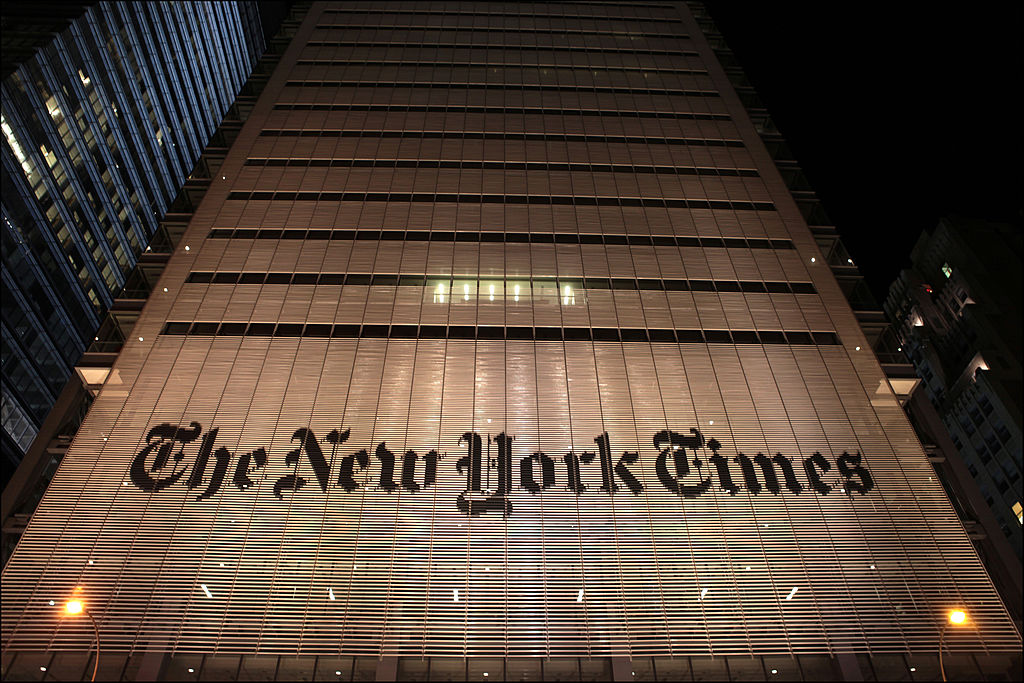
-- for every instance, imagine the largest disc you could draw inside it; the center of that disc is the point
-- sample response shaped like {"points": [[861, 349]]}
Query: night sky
{"points": [[897, 115]]}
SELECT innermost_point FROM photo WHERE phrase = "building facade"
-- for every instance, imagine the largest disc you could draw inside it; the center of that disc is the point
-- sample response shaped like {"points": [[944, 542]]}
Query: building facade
{"points": [[959, 315], [501, 349], [102, 127]]}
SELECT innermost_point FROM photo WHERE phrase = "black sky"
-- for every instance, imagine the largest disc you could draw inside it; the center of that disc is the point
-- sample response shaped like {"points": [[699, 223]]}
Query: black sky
{"points": [[899, 113]]}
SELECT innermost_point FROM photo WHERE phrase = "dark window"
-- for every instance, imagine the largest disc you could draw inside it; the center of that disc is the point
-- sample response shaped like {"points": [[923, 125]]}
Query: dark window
{"points": [[260, 329], [204, 328], [772, 337], [744, 337], [690, 336], [318, 330], [632, 335], [489, 332], [232, 329]]}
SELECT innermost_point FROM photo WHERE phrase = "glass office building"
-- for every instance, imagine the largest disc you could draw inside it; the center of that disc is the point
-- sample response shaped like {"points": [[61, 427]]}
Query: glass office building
{"points": [[101, 129], [500, 350]]}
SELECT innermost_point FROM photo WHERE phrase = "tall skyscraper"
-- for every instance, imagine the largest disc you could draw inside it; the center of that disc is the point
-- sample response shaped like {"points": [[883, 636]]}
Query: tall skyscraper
{"points": [[959, 315], [102, 125], [500, 350]]}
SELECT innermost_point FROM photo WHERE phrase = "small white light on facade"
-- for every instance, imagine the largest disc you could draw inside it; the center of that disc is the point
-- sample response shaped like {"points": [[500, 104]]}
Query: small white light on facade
{"points": [[913, 668], [223, 177], [186, 247], [42, 668], [141, 339], [191, 670], [330, 593], [206, 590], [104, 438], [90, 561], [165, 289], [899, 348], [775, 671], [812, 259], [149, 248], [704, 592], [337, 673], [455, 595], [871, 567], [124, 483], [95, 338], [792, 593], [486, 674], [488, 420], [856, 348], [711, 422], [487, 569], [222, 564], [52, 603], [748, 567], [579, 596]]}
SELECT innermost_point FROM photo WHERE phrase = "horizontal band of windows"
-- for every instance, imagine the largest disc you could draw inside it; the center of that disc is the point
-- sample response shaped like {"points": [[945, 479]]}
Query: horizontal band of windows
{"points": [[611, 334], [574, 284], [506, 237], [503, 47], [498, 199], [614, 4], [503, 29], [532, 87], [505, 166], [467, 135], [517, 15], [469, 65], [444, 109]]}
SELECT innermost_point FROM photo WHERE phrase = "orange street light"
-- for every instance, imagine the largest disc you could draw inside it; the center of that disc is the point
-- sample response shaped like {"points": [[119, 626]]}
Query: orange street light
{"points": [[75, 607], [955, 617]]}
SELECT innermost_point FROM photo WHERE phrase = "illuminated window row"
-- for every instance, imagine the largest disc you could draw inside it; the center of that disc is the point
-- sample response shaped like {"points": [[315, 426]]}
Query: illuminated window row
{"points": [[503, 47], [443, 285], [444, 109], [501, 86], [505, 166], [574, 200], [464, 135], [518, 15], [569, 68], [506, 237], [510, 29], [610, 334]]}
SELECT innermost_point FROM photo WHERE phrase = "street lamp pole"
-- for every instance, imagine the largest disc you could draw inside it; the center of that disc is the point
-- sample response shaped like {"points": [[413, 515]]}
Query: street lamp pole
{"points": [[76, 607], [96, 633], [956, 617]]}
